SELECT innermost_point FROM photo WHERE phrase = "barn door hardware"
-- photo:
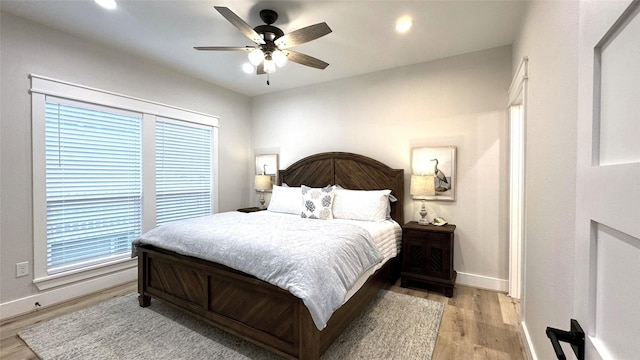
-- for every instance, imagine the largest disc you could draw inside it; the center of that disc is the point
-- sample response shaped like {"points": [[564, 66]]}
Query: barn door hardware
{"points": [[575, 337]]}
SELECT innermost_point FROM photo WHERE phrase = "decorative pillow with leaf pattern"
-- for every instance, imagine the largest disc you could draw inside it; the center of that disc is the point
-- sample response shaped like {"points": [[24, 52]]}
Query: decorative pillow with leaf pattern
{"points": [[317, 203]]}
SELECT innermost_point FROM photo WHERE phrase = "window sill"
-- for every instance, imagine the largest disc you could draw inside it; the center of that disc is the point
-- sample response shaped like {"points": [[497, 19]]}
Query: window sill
{"points": [[65, 278]]}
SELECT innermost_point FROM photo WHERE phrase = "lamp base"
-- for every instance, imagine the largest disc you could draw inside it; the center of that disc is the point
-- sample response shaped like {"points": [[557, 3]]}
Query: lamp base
{"points": [[423, 214]]}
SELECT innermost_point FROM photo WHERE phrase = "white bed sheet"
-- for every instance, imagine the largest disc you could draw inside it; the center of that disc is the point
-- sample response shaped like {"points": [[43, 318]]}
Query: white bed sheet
{"points": [[386, 235]]}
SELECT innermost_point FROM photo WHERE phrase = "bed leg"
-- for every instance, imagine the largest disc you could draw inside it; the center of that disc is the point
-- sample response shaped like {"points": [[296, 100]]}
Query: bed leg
{"points": [[144, 300], [309, 337]]}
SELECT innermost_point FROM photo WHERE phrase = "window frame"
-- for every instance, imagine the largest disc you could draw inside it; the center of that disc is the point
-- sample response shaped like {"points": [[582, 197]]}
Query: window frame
{"points": [[41, 87]]}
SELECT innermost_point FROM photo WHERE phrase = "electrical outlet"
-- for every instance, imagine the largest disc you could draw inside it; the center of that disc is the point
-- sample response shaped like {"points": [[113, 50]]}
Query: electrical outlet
{"points": [[22, 269]]}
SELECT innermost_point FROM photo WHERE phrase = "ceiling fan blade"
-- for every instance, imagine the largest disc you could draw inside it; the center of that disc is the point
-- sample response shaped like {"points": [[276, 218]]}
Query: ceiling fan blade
{"points": [[236, 21], [224, 48], [303, 35], [304, 59]]}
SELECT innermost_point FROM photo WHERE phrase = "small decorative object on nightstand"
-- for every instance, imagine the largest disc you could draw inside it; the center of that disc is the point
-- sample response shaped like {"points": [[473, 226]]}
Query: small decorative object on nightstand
{"points": [[427, 255]]}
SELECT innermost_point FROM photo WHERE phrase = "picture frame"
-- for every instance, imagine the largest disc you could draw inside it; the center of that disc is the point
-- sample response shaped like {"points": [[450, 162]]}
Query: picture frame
{"points": [[267, 164], [440, 162]]}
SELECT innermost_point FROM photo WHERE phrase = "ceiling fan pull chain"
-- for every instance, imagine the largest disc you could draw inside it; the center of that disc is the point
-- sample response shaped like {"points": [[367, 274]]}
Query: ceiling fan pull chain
{"points": [[268, 80]]}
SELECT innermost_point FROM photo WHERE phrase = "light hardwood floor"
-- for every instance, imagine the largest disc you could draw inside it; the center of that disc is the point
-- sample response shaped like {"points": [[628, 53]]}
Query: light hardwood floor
{"points": [[476, 324]]}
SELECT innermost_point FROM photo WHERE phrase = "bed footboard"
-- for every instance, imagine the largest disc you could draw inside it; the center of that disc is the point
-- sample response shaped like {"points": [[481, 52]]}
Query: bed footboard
{"points": [[244, 305]]}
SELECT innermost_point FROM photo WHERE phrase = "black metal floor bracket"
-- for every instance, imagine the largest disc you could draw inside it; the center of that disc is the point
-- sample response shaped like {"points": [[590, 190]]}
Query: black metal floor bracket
{"points": [[575, 337]]}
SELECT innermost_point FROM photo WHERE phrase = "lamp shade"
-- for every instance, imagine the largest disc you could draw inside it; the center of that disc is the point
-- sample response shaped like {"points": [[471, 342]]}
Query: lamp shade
{"points": [[422, 185], [256, 57], [279, 58], [269, 65], [262, 182]]}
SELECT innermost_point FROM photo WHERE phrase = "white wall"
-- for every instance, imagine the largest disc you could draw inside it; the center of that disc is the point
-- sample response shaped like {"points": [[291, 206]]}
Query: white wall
{"points": [[31, 48], [549, 37], [457, 101]]}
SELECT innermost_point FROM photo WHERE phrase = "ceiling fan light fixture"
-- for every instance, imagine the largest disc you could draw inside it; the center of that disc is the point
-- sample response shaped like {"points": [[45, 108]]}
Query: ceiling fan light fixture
{"points": [[256, 57], [269, 65], [279, 58]]}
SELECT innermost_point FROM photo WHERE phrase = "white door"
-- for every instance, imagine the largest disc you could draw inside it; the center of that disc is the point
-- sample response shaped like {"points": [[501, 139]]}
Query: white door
{"points": [[607, 262]]}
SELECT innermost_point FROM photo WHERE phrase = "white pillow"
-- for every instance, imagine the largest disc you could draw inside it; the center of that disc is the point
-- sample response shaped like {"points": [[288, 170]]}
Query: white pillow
{"points": [[317, 203], [285, 200], [365, 205]]}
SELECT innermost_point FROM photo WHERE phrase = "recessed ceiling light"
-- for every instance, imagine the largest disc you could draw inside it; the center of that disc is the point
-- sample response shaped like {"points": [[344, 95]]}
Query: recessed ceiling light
{"points": [[107, 4], [403, 24], [247, 68]]}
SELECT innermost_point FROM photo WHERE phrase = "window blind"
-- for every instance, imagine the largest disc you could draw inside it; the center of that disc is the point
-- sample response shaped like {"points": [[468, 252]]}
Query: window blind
{"points": [[183, 170], [93, 183]]}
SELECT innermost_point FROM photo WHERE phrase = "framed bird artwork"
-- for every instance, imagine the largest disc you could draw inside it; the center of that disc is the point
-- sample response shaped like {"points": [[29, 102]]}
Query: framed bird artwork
{"points": [[439, 162]]}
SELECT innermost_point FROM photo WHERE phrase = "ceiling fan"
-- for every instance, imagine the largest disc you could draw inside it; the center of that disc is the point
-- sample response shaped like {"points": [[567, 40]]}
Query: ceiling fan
{"points": [[272, 44]]}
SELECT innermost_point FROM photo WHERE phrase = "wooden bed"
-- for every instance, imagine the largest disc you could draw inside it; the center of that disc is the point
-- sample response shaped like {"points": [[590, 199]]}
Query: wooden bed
{"points": [[253, 309]]}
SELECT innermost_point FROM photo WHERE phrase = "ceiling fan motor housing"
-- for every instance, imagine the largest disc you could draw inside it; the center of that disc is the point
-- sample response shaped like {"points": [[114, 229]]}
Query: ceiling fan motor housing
{"points": [[269, 32]]}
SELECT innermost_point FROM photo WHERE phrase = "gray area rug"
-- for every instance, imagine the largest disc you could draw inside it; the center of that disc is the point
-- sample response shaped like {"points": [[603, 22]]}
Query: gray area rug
{"points": [[394, 326]]}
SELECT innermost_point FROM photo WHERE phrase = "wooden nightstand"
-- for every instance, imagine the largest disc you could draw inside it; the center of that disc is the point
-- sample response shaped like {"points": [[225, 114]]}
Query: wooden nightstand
{"points": [[427, 255], [250, 209]]}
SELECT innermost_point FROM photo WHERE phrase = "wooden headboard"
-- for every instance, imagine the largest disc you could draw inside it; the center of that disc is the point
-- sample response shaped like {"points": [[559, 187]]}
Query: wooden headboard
{"points": [[351, 171]]}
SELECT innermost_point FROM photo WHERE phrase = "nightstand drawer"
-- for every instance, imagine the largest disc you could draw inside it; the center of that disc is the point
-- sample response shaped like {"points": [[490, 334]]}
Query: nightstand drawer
{"points": [[410, 234]]}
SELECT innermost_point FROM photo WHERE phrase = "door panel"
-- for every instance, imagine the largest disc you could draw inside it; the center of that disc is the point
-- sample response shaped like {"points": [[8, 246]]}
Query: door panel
{"points": [[617, 289], [608, 179], [616, 72]]}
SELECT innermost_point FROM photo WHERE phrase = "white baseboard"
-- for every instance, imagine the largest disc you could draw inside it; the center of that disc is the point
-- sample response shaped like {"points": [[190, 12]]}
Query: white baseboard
{"points": [[526, 340], [482, 282], [66, 293]]}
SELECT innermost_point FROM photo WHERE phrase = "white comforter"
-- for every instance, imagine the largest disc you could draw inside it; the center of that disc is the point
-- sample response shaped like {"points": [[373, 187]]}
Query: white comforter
{"points": [[315, 260]]}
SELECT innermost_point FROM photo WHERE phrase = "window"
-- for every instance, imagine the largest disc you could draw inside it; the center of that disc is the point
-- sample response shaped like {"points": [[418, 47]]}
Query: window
{"points": [[93, 183], [106, 168], [183, 171]]}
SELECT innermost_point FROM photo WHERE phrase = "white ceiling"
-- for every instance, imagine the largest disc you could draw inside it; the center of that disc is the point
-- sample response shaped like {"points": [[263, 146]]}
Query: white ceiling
{"points": [[363, 38]]}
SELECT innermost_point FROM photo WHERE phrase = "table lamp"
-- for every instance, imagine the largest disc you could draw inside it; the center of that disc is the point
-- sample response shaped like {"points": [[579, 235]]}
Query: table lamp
{"points": [[422, 185], [262, 183]]}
